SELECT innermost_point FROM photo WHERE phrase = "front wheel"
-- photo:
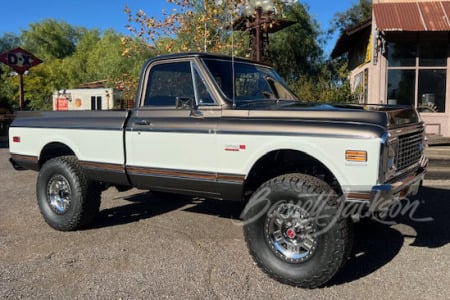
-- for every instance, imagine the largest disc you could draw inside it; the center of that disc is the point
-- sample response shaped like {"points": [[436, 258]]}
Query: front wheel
{"points": [[294, 231], [67, 199]]}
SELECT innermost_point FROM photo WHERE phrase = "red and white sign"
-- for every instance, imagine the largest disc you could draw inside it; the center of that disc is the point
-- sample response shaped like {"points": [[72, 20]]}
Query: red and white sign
{"points": [[20, 60], [62, 104]]}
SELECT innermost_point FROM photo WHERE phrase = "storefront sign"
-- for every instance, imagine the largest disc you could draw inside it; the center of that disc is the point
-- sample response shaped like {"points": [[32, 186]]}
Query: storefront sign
{"points": [[62, 104], [19, 59]]}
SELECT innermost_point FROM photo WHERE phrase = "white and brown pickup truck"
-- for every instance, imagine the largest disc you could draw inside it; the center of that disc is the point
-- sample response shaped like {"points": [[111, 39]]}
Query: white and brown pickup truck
{"points": [[228, 128]]}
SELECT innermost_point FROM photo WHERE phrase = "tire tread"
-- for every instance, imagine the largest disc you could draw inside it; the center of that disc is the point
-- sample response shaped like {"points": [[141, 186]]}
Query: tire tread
{"points": [[89, 194], [299, 183]]}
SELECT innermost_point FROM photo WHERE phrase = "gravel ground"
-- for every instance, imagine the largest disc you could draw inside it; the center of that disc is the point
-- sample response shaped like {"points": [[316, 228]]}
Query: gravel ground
{"points": [[145, 247]]}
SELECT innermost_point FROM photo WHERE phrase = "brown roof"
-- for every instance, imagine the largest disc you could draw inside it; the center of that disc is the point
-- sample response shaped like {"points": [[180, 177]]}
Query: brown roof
{"points": [[93, 84], [413, 16]]}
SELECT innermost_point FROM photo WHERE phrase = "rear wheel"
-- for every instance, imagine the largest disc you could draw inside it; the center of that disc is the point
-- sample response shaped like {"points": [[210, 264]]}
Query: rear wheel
{"points": [[294, 231], [67, 199]]}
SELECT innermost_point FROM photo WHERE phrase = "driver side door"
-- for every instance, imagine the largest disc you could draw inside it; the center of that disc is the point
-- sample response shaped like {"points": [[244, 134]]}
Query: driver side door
{"points": [[171, 141]]}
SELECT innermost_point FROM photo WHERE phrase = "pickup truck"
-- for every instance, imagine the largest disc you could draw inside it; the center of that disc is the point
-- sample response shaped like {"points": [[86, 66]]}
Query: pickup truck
{"points": [[229, 128]]}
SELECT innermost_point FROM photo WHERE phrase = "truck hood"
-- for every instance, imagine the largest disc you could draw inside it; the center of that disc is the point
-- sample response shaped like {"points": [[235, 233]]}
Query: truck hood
{"points": [[386, 116]]}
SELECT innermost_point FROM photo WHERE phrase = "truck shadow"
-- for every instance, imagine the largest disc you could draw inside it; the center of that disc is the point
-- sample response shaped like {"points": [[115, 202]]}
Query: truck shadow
{"points": [[147, 205], [431, 219], [4, 145], [375, 243], [142, 206]]}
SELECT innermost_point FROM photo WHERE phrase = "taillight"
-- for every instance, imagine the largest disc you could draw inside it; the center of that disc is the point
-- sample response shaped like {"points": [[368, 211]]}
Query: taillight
{"points": [[16, 139]]}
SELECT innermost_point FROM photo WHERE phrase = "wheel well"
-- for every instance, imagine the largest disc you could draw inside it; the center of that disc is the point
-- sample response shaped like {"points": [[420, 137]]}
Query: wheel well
{"points": [[280, 162], [53, 150]]}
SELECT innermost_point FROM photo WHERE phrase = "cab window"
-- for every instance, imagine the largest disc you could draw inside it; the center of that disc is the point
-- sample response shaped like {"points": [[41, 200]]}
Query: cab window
{"points": [[170, 83]]}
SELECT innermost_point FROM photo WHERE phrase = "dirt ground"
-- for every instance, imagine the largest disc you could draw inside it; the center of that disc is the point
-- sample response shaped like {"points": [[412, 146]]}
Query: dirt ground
{"points": [[144, 247]]}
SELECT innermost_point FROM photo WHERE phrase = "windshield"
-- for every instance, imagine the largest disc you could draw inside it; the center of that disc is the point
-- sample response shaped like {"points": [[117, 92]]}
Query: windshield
{"points": [[252, 82]]}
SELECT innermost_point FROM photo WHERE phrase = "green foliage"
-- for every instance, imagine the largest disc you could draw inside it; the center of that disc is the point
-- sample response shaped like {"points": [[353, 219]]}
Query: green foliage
{"points": [[8, 41], [329, 85], [191, 25], [71, 56], [75, 55], [355, 15], [39, 86], [50, 39], [359, 12], [7, 90], [205, 25], [78, 63], [294, 51], [297, 56]]}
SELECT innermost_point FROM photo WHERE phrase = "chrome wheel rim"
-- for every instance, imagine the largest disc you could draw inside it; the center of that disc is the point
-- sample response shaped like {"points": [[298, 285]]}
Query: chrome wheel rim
{"points": [[59, 194], [289, 230]]}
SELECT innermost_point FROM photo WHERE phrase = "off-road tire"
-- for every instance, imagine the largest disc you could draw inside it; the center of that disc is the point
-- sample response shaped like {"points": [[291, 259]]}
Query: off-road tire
{"points": [[67, 199], [283, 240]]}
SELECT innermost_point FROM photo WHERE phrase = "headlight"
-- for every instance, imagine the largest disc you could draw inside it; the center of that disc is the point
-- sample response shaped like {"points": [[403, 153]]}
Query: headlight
{"points": [[392, 153]]}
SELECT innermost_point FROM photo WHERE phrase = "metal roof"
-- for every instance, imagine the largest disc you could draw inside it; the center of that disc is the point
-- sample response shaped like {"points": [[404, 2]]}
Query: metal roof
{"points": [[413, 16]]}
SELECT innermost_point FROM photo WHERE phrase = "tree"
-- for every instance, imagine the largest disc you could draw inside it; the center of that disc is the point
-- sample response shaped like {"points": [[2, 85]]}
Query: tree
{"points": [[77, 64], [206, 26], [8, 91], [50, 39], [334, 72], [108, 61], [359, 12], [72, 55], [9, 41], [295, 51], [329, 85], [196, 25], [41, 83], [192, 25]]}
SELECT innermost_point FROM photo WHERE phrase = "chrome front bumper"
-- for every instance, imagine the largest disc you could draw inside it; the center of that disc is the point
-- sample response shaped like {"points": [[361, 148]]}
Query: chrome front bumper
{"points": [[380, 197]]}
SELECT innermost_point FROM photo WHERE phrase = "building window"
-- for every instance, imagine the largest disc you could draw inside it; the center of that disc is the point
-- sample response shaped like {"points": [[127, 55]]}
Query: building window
{"points": [[401, 86], [360, 86], [417, 74]]}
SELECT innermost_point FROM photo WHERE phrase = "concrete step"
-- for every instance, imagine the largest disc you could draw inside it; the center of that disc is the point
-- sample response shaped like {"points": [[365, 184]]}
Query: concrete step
{"points": [[442, 150], [437, 140], [438, 153], [437, 173], [439, 163]]}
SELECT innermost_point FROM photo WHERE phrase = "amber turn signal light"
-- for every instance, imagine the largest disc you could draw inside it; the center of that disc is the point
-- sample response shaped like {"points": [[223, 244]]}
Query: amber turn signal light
{"points": [[356, 155]]}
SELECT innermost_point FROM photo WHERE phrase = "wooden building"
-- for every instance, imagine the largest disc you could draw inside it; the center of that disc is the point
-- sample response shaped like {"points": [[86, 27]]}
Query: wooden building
{"points": [[401, 56]]}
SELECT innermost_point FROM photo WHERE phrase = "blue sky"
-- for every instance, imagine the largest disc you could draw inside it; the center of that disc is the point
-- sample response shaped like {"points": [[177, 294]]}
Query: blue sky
{"points": [[104, 14]]}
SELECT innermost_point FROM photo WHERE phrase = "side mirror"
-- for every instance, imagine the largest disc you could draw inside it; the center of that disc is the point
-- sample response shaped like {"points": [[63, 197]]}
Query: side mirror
{"points": [[196, 114], [184, 103]]}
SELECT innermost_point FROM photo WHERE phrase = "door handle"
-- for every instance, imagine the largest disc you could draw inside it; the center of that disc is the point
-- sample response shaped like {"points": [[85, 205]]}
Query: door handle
{"points": [[142, 122]]}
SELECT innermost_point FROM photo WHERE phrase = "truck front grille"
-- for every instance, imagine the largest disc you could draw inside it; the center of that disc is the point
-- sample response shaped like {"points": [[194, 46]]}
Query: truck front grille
{"points": [[410, 150]]}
